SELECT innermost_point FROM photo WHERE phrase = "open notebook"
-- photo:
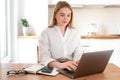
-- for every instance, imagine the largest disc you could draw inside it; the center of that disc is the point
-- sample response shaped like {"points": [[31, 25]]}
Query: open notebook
{"points": [[39, 69]]}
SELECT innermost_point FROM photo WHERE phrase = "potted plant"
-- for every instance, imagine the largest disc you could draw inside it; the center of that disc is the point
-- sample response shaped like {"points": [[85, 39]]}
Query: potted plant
{"points": [[25, 26]]}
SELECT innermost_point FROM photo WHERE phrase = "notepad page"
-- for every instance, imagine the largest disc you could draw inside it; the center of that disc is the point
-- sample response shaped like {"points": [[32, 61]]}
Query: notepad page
{"points": [[34, 68]]}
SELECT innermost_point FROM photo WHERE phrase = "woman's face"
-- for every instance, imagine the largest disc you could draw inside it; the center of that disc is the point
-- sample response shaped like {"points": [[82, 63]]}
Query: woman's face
{"points": [[63, 16]]}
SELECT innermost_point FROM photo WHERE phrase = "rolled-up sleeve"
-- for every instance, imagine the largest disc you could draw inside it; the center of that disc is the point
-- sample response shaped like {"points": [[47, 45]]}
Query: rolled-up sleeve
{"points": [[44, 50]]}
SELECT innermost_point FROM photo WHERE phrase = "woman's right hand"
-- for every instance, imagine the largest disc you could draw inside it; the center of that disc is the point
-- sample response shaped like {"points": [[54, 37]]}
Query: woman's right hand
{"points": [[70, 65]]}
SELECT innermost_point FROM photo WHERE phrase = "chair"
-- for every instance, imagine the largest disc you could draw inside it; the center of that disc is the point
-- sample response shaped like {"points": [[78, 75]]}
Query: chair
{"points": [[38, 54]]}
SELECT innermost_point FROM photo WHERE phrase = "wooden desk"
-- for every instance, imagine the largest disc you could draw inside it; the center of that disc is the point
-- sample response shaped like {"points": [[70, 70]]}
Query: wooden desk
{"points": [[112, 72]]}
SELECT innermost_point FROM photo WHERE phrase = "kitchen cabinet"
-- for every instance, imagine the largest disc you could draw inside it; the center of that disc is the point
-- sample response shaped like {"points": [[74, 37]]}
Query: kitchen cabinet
{"points": [[101, 37], [88, 3], [103, 44], [27, 49]]}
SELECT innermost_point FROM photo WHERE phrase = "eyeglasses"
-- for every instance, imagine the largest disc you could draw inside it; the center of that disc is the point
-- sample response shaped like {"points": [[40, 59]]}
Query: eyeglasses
{"points": [[16, 72]]}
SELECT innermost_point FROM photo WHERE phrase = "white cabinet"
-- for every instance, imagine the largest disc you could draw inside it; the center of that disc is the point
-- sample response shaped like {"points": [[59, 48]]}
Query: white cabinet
{"points": [[103, 44], [88, 2], [27, 50]]}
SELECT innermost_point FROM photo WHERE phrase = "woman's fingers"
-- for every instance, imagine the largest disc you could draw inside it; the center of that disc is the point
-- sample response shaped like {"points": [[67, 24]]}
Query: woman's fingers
{"points": [[70, 65], [68, 68]]}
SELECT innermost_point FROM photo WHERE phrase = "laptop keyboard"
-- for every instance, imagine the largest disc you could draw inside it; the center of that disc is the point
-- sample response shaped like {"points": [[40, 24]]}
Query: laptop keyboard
{"points": [[69, 72]]}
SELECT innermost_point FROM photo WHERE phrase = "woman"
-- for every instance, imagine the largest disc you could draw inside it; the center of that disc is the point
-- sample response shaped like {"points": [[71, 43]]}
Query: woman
{"points": [[60, 42]]}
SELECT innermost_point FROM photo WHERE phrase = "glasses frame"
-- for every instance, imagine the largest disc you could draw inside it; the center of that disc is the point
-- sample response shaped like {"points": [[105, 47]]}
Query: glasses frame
{"points": [[16, 72]]}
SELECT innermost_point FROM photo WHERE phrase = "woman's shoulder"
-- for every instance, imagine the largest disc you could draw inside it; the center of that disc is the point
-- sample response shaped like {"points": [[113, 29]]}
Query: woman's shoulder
{"points": [[76, 30], [76, 33], [47, 30]]}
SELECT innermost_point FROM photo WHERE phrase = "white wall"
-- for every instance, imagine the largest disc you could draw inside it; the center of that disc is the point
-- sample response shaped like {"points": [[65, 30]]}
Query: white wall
{"points": [[36, 12], [108, 19]]}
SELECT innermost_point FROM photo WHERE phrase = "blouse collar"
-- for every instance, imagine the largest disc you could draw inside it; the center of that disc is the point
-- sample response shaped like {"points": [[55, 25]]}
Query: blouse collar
{"points": [[57, 28]]}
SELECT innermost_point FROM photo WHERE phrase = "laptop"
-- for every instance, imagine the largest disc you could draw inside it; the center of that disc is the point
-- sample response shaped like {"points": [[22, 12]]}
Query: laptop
{"points": [[90, 63]]}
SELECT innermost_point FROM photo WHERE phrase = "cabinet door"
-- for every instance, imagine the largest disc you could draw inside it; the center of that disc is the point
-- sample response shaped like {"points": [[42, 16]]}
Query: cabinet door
{"points": [[107, 44], [103, 44], [27, 50]]}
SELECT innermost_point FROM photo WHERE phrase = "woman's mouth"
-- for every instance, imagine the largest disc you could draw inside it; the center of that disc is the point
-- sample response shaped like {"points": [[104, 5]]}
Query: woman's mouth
{"points": [[64, 21]]}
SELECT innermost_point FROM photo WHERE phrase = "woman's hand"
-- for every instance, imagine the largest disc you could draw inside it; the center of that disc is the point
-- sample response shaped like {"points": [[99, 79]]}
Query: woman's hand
{"points": [[70, 65]]}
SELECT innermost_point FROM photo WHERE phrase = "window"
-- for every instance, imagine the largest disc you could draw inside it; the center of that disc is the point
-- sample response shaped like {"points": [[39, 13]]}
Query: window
{"points": [[3, 31]]}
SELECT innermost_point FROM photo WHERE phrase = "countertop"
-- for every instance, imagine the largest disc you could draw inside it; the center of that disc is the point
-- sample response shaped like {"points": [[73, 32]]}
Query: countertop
{"points": [[100, 37], [82, 37], [33, 37]]}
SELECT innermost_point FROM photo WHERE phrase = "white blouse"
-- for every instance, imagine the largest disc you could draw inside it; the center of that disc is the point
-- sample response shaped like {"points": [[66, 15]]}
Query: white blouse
{"points": [[53, 45]]}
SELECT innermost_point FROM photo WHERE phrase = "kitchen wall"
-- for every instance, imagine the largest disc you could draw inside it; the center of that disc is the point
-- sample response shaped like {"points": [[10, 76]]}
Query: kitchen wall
{"points": [[107, 19], [36, 12]]}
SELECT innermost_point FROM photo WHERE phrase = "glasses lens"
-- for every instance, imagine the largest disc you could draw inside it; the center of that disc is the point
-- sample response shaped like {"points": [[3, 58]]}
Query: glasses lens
{"points": [[21, 71], [11, 72]]}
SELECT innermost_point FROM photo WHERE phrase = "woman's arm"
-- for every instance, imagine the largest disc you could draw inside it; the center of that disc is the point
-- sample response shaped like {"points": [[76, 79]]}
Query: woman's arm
{"points": [[78, 50], [44, 50]]}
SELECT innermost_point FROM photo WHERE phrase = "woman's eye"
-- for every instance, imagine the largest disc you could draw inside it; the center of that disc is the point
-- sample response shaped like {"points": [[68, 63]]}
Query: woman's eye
{"points": [[62, 15], [69, 16]]}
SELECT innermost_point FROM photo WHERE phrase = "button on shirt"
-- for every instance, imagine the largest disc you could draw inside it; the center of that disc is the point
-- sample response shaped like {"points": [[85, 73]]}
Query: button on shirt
{"points": [[53, 45]]}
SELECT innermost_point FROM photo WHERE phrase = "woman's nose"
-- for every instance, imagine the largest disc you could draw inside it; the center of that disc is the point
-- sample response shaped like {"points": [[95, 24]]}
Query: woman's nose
{"points": [[65, 17]]}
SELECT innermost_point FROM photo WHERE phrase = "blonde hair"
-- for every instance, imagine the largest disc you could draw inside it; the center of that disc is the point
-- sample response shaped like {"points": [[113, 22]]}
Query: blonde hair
{"points": [[59, 5]]}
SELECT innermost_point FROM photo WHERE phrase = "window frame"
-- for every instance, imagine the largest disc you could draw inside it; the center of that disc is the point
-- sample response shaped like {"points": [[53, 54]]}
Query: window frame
{"points": [[5, 51]]}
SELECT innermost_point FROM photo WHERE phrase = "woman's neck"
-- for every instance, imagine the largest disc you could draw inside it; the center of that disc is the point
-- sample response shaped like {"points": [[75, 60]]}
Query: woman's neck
{"points": [[62, 29]]}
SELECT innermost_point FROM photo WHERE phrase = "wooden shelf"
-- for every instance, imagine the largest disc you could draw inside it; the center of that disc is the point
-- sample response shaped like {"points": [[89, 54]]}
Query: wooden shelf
{"points": [[33, 37], [100, 37], [82, 37]]}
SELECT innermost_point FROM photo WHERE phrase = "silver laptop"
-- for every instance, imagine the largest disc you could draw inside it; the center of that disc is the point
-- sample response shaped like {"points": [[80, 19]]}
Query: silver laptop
{"points": [[90, 63]]}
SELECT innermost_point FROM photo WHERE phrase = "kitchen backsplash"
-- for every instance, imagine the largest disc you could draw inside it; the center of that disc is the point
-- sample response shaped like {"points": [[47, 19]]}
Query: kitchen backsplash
{"points": [[106, 20]]}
